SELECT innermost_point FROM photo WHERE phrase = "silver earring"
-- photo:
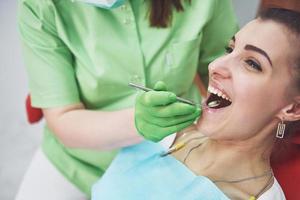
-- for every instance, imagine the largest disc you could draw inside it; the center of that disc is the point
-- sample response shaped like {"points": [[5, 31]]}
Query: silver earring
{"points": [[280, 130]]}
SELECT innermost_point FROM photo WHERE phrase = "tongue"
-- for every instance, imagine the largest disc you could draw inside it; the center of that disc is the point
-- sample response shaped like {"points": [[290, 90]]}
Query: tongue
{"points": [[222, 102]]}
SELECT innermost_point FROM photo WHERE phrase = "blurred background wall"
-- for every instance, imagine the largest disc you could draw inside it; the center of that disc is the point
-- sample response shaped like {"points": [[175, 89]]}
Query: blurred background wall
{"points": [[18, 139]]}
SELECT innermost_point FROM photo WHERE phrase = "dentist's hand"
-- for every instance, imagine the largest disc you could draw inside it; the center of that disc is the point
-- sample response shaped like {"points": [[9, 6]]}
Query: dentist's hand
{"points": [[158, 113]]}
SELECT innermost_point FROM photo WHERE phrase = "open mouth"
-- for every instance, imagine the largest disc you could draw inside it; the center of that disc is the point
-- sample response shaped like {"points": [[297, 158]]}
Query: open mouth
{"points": [[217, 99]]}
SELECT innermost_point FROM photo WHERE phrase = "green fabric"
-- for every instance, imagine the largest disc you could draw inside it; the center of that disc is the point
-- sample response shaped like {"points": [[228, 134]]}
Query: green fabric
{"points": [[79, 166], [77, 52]]}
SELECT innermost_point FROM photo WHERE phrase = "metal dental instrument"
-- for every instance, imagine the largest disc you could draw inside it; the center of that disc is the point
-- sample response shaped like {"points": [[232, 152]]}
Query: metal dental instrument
{"points": [[213, 104], [148, 89], [210, 105]]}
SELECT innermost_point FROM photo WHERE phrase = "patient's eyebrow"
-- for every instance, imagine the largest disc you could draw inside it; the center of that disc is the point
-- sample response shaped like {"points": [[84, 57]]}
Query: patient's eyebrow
{"points": [[258, 50]]}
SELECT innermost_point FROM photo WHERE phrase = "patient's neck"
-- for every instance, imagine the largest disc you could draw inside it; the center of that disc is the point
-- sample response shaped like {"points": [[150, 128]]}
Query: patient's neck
{"points": [[229, 160], [234, 158], [220, 159]]}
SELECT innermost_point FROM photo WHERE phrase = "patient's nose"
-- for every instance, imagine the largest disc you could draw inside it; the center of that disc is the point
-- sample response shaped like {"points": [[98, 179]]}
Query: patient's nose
{"points": [[220, 68]]}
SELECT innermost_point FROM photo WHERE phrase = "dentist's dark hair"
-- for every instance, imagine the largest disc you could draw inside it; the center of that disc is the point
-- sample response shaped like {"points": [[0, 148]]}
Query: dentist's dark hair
{"points": [[160, 15]]}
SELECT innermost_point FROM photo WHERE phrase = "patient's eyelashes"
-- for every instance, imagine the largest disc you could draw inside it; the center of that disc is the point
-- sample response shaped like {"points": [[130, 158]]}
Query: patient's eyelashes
{"points": [[228, 49], [253, 64]]}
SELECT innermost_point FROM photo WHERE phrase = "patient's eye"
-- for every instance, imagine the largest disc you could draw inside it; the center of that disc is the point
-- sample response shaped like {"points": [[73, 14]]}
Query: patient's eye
{"points": [[253, 64], [228, 49]]}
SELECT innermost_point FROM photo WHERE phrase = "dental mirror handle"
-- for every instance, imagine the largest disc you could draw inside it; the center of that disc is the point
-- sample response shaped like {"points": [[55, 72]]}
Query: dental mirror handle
{"points": [[149, 89]]}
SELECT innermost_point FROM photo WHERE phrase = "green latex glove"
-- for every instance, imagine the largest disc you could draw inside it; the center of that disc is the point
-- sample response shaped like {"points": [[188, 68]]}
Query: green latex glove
{"points": [[158, 113]]}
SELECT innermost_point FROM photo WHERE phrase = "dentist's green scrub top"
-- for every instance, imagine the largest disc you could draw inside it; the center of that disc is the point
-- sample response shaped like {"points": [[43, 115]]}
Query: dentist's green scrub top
{"points": [[76, 52]]}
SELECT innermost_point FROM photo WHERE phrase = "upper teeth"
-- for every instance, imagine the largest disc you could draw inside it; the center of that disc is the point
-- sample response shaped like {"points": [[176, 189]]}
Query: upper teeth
{"points": [[218, 92]]}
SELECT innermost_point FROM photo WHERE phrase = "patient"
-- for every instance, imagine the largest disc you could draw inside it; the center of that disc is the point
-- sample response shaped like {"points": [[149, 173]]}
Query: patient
{"points": [[226, 155]]}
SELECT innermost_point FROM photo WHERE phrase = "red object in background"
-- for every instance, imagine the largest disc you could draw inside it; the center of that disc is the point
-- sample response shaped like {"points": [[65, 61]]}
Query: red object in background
{"points": [[287, 170], [34, 115]]}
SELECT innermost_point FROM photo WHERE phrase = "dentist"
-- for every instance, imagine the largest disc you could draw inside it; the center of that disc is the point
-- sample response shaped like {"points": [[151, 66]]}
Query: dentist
{"points": [[80, 56]]}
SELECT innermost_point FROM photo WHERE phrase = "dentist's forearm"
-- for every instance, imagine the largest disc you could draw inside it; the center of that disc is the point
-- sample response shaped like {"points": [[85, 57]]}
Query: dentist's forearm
{"points": [[77, 127]]}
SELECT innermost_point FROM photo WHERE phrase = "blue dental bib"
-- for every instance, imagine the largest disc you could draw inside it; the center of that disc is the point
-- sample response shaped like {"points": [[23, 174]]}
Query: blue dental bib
{"points": [[139, 172]]}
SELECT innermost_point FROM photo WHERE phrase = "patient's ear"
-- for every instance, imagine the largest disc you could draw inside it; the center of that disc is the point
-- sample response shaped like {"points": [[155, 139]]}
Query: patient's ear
{"points": [[291, 112]]}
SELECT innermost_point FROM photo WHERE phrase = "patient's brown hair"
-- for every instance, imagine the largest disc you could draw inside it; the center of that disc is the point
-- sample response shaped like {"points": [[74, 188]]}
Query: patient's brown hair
{"points": [[291, 20]]}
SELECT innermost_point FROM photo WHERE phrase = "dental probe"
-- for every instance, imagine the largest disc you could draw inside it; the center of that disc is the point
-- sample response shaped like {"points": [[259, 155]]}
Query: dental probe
{"points": [[210, 104], [148, 89]]}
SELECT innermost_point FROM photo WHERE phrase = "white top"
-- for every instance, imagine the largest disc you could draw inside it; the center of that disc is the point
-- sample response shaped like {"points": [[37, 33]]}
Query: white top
{"points": [[274, 193]]}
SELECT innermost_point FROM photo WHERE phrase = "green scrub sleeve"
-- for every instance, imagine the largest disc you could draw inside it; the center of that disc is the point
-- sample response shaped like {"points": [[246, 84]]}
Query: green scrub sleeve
{"points": [[216, 35], [48, 60]]}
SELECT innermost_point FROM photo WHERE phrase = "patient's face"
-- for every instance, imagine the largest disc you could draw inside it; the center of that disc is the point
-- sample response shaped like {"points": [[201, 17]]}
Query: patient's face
{"points": [[253, 79]]}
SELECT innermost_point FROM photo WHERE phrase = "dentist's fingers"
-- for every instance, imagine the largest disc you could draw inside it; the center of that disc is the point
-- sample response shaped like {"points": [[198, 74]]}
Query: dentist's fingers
{"points": [[159, 114], [160, 86], [156, 98], [173, 109], [171, 121]]}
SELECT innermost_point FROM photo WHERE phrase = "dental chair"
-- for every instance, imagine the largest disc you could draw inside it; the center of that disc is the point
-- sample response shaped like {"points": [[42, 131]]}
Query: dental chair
{"points": [[34, 115]]}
